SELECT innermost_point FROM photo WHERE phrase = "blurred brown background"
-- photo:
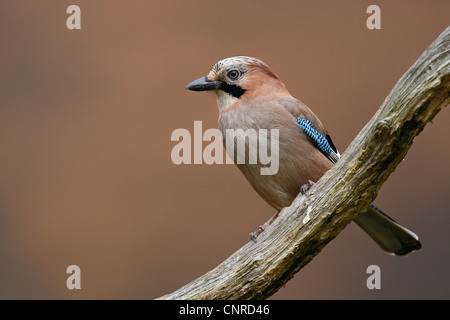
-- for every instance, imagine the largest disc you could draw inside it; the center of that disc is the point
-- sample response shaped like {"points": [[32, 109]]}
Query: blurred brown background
{"points": [[86, 117]]}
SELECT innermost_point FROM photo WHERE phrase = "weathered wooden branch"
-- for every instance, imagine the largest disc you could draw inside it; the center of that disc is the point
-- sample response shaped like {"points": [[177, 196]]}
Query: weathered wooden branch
{"points": [[258, 270]]}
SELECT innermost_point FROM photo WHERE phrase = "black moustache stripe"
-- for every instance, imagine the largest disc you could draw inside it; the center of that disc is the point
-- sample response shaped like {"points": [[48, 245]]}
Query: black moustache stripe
{"points": [[232, 89]]}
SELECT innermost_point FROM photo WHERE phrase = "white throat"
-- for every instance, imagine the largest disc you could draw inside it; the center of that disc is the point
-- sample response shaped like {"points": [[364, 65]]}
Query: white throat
{"points": [[224, 100]]}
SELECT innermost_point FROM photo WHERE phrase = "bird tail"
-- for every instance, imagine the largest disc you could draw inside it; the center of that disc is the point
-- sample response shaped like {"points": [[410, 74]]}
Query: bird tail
{"points": [[387, 233]]}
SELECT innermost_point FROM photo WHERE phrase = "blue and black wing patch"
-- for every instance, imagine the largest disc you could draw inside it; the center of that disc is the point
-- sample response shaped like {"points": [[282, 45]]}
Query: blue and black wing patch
{"points": [[323, 143]]}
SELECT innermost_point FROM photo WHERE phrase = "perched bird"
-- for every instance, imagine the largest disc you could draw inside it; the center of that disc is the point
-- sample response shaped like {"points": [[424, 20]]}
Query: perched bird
{"points": [[251, 96]]}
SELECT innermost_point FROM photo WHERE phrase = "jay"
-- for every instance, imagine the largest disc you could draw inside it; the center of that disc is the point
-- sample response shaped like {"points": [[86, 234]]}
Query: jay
{"points": [[251, 96]]}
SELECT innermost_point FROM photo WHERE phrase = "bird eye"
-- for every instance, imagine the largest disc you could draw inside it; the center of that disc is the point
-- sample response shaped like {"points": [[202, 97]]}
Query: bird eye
{"points": [[233, 74]]}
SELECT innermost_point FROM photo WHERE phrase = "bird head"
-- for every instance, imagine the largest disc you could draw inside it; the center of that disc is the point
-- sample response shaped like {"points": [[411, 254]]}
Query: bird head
{"points": [[239, 79]]}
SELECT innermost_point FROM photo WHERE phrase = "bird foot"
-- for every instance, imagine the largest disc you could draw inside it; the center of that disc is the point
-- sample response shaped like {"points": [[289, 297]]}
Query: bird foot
{"points": [[304, 188], [255, 234]]}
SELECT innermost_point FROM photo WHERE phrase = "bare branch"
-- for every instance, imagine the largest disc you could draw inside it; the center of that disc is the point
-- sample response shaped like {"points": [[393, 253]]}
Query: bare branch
{"points": [[258, 270]]}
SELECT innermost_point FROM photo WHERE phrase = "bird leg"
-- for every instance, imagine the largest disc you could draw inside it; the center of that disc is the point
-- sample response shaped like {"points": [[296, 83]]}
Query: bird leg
{"points": [[255, 234], [303, 189]]}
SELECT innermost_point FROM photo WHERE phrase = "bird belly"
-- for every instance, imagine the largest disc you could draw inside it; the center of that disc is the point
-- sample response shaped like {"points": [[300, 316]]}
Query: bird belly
{"points": [[298, 160]]}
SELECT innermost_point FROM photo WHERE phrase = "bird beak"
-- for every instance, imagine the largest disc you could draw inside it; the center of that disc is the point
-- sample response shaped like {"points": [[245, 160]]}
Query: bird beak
{"points": [[203, 85]]}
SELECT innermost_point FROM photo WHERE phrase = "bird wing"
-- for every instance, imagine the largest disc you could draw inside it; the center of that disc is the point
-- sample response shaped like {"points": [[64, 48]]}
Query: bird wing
{"points": [[311, 125]]}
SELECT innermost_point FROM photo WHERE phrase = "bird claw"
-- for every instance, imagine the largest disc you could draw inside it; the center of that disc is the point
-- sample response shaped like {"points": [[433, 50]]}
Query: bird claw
{"points": [[255, 234], [304, 188]]}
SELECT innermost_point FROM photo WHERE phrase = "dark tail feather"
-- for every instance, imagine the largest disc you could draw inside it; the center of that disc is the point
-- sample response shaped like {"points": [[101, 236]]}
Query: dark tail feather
{"points": [[387, 233]]}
